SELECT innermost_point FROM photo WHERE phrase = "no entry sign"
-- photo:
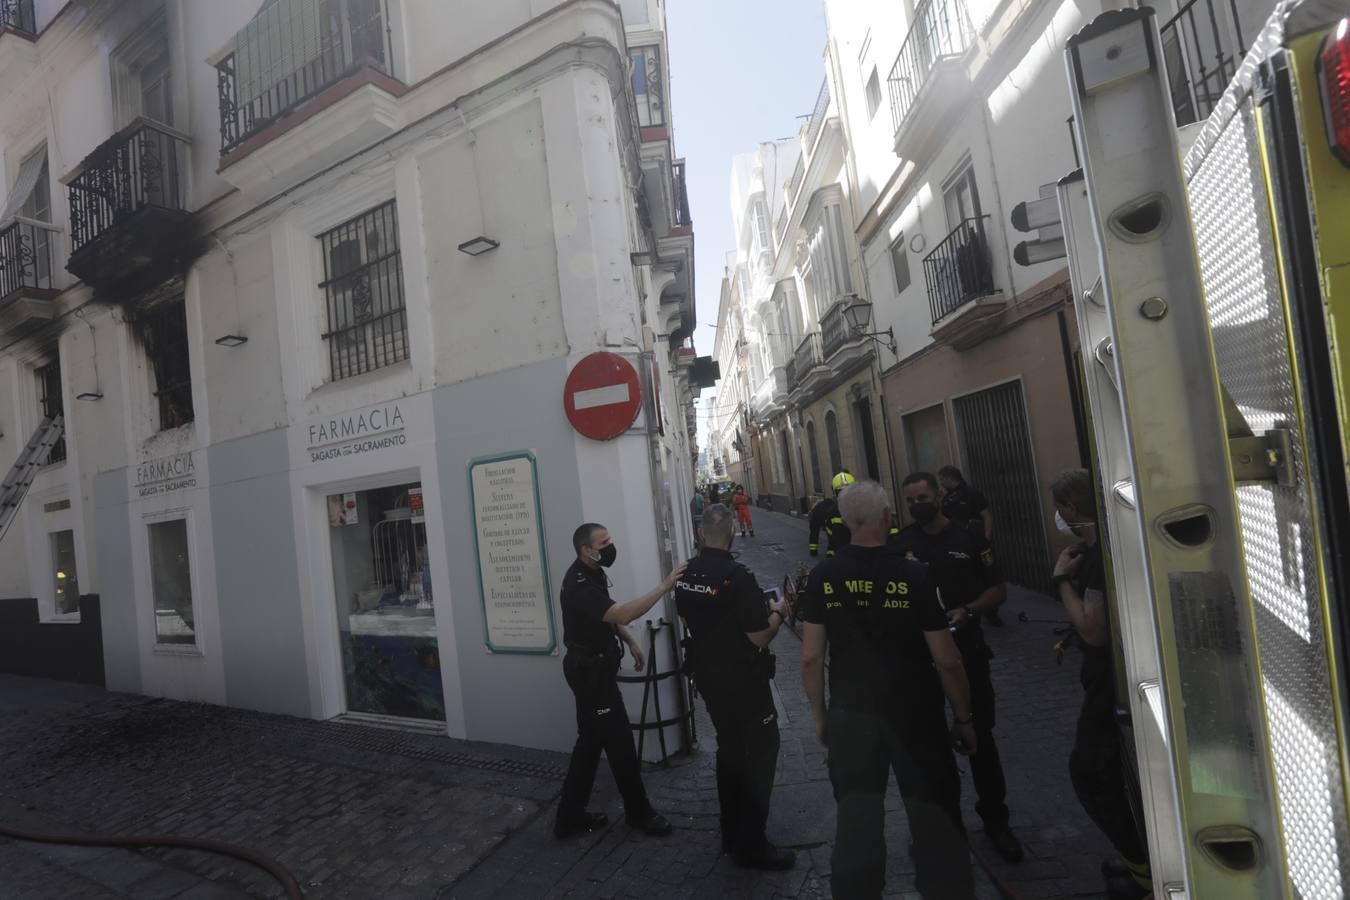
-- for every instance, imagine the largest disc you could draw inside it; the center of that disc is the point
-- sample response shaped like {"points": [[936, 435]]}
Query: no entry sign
{"points": [[602, 396]]}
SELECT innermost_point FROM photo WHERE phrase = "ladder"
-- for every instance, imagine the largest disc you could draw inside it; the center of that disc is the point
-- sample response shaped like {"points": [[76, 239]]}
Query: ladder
{"points": [[33, 458], [1167, 469]]}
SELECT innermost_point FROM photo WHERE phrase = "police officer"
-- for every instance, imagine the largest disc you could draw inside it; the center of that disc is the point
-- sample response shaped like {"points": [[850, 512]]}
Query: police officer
{"points": [[825, 517], [728, 656], [1096, 764], [592, 627], [961, 565], [891, 660], [963, 503]]}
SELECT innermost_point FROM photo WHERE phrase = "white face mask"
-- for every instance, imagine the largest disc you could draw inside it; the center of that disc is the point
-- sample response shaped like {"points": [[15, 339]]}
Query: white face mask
{"points": [[1067, 528]]}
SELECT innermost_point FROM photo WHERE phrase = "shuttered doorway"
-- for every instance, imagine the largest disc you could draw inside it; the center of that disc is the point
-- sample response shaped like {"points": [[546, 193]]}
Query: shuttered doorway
{"points": [[997, 459]]}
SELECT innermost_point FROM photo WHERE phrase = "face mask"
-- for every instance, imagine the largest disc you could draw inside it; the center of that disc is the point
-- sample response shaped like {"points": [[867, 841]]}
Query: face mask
{"points": [[1068, 528], [607, 555], [923, 513]]}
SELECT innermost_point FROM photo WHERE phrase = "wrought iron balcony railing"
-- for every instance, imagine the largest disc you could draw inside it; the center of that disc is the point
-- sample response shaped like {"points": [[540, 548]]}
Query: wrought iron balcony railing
{"points": [[941, 29], [291, 51], [141, 167], [959, 269], [1202, 46], [835, 330], [818, 115], [17, 15], [805, 358], [25, 257], [682, 216]]}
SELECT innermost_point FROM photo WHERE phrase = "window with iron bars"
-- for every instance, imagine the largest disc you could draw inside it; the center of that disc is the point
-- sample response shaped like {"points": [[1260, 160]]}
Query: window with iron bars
{"points": [[163, 331], [363, 292], [49, 401]]}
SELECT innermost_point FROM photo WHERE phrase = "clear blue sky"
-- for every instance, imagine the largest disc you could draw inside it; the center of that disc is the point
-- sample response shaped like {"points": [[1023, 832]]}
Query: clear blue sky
{"points": [[741, 73]]}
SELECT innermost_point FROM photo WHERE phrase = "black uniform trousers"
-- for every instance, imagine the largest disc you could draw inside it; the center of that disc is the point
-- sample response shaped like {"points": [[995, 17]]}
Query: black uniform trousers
{"points": [[602, 725], [1097, 771], [986, 768], [740, 705], [864, 749]]}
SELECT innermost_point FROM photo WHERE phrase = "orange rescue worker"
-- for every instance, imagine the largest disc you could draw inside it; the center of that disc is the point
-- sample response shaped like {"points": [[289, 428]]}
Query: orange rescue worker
{"points": [[741, 500]]}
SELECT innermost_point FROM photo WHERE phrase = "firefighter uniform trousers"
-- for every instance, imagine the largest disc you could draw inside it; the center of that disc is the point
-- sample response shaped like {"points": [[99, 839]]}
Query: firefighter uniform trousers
{"points": [[602, 726], [740, 705], [865, 748]]}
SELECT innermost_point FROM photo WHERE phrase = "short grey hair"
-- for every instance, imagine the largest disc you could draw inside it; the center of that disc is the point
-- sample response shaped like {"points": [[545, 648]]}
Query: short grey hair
{"points": [[718, 522], [863, 504]]}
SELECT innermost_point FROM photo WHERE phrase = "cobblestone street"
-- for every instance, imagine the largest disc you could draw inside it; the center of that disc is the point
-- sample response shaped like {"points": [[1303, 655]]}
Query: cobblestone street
{"points": [[358, 812]]}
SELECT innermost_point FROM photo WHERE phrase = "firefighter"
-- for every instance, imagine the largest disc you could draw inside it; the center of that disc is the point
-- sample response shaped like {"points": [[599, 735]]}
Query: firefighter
{"points": [[891, 659], [593, 625], [1096, 763], [825, 517], [728, 657], [962, 567], [741, 501]]}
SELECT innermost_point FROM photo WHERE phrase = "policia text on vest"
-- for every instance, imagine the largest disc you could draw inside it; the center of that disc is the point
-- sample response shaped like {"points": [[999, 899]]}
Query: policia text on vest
{"points": [[727, 655]]}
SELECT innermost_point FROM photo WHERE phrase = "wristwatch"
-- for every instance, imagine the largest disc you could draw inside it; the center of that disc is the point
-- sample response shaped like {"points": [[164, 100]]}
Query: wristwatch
{"points": [[1057, 580]]}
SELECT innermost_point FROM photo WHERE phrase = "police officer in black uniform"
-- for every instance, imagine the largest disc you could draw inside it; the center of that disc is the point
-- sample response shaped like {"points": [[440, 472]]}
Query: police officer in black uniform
{"points": [[891, 660], [1096, 764], [963, 503], [825, 517], [592, 627], [961, 565], [730, 631]]}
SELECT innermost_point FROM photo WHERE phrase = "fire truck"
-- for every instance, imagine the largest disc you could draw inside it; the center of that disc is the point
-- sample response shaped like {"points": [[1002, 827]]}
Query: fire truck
{"points": [[1211, 276]]}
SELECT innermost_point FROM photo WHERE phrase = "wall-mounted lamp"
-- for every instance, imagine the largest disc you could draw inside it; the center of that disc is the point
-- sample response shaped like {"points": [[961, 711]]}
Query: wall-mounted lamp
{"points": [[478, 246], [858, 315], [231, 340]]}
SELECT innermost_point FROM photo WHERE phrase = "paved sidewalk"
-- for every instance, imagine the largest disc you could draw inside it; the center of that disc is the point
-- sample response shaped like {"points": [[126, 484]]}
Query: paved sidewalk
{"points": [[359, 812]]}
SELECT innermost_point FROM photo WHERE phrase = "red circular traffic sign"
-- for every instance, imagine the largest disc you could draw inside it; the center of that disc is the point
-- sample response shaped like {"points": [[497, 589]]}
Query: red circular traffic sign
{"points": [[602, 396]]}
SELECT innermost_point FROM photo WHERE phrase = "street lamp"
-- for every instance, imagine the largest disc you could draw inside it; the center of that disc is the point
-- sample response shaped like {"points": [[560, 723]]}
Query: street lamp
{"points": [[858, 315]]}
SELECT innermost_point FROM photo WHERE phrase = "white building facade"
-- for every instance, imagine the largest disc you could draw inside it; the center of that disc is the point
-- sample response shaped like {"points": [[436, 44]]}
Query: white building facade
{"points": [[305, 280]]}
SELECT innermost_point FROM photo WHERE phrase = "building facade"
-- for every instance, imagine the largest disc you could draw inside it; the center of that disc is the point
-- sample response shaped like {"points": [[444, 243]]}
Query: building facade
{"points": [[305, 280]]}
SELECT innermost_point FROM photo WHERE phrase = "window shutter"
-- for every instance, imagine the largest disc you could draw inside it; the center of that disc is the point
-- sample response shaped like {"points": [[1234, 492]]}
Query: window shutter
{"points": [[29, 173]]}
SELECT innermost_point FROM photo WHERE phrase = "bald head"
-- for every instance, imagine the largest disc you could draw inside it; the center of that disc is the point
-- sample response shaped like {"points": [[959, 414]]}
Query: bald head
{"points": [[866, 510]]}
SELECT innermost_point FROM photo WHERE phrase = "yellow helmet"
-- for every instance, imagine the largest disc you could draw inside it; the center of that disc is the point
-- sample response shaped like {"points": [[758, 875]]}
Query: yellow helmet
{"points": [[841, 481]]}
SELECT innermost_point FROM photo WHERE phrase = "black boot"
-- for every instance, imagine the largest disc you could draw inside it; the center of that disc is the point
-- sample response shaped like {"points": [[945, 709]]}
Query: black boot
{"points": [[767, 858]]}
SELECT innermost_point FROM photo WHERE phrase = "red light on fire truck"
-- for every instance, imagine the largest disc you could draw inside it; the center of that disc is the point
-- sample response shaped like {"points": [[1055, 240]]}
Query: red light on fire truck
{"points": [[1333, 70]]}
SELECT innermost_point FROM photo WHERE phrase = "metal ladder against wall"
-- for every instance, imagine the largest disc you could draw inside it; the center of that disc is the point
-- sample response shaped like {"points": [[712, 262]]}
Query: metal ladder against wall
{"points": [[1159, 419], [30, 461]]}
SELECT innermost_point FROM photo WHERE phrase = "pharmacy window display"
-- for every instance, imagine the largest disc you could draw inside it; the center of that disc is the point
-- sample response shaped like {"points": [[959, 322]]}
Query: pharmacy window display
{"points": [[385, 603]]}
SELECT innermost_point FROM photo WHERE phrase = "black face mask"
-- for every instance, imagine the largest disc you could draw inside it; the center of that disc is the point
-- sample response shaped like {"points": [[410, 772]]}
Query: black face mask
{"points": [[607, 555], [923, 513]]}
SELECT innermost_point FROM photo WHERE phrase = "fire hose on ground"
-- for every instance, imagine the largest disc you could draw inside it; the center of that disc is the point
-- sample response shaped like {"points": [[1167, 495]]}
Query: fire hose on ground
{"points": [[268, 865]]}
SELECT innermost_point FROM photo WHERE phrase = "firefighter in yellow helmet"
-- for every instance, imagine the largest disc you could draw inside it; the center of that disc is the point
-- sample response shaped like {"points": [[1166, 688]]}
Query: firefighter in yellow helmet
{"points": [[825, 517]]}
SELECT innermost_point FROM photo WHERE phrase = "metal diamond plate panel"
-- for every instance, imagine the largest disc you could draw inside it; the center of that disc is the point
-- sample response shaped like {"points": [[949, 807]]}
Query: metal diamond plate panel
{"points": [[1237, 262]]}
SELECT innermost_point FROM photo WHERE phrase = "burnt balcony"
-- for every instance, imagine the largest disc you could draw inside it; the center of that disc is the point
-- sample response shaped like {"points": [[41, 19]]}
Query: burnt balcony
{"points": [[959, 274], [1202, 46], [681, 218], [805, 359], [26, 288], [928, 77], [17, 16], [18, 33], [129, 226], [305, 84]]}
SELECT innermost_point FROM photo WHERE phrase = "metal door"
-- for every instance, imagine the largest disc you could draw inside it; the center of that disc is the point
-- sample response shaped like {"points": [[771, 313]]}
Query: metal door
{"points": [[996, 450]]}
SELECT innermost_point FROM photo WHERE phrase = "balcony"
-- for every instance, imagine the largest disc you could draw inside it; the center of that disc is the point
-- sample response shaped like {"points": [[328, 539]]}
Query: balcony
{"points": [[1202, 46], [929, 77], [681, 217], [129, 226], [26, 289], [805, 360], [18, 31], [768, 399], [835, 330], [289, 65], [959, 274]]}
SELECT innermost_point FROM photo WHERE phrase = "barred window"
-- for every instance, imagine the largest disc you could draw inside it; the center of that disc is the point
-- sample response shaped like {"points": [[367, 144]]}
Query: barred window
{"points": [[49, 400], [363, 288], [163, 331]]}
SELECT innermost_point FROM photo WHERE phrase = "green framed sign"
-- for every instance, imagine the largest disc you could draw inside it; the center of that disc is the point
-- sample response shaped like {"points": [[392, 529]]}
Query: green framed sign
{"points": [[508, 537]]}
